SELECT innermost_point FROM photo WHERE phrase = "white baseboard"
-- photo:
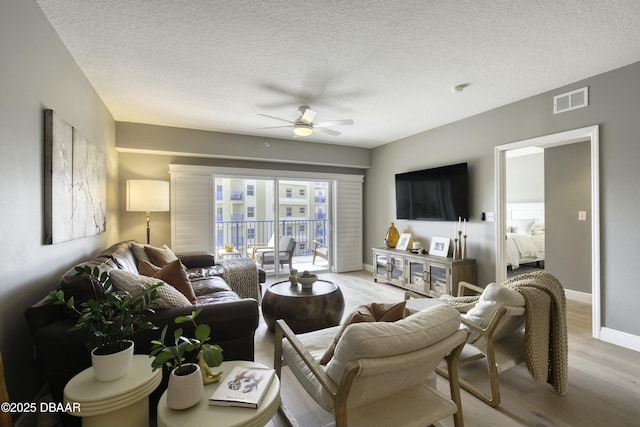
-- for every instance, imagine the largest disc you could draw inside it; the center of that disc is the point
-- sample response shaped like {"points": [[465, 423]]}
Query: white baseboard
{"points": [[622, 339], [368, 267], [578, 296]]}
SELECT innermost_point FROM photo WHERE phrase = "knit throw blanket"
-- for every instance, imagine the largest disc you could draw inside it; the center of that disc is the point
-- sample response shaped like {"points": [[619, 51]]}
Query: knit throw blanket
{"points": [[545, 339], [242, 276]]}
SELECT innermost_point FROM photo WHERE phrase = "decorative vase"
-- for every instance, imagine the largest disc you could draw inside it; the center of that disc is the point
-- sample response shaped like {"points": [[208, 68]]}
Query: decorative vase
{"points": [[392, 236], [185, 389], [109, 367], [306, 280], [293, 273]]}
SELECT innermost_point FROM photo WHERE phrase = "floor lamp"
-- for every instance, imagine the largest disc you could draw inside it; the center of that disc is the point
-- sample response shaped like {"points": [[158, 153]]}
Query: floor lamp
{"points": [[147, 196]]}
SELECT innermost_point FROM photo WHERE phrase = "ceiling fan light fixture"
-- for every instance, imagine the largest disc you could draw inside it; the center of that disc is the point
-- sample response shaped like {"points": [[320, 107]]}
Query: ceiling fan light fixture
{"points": [[301, 129]]}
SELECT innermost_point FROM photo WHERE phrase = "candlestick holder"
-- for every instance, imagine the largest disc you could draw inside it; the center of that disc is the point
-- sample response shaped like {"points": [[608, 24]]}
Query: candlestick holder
{"points": [[458, 246], [464, 247]]}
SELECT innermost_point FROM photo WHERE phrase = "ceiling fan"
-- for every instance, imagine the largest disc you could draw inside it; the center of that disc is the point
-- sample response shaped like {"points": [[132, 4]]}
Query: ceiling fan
{"points": [[305, 126]]}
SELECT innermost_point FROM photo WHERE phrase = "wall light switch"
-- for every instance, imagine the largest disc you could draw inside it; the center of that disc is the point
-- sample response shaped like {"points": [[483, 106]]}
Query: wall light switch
{"points": [[582, 215], [490, 217]]}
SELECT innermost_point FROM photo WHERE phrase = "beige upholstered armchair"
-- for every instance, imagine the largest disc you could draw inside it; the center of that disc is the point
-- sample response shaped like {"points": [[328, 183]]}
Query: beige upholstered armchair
{"points": [[521, 320], [381, 373]]}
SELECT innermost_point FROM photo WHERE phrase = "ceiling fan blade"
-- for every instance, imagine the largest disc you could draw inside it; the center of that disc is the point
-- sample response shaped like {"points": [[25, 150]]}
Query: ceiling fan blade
{"points": [[275, 127], [308, 115], [333, 123], [327, 131], [277, 118]]}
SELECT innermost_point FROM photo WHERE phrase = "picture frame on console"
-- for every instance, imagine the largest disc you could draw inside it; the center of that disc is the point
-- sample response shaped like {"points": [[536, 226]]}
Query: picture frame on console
{"points": [[403, 241], [439, 246]]}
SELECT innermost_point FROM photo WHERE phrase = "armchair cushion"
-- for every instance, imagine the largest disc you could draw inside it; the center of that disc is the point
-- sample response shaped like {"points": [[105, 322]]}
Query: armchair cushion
{"points": [[284, 243], [493, 299], [383, 339], [373, 312]]}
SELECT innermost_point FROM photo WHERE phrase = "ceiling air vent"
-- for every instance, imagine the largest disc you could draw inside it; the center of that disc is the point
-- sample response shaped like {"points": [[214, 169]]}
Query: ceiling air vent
{"points": [[571, 100]]}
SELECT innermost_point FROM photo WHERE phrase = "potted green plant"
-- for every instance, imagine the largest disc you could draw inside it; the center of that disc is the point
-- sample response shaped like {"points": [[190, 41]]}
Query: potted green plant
{"points": [[187, 377], [110, 322]]}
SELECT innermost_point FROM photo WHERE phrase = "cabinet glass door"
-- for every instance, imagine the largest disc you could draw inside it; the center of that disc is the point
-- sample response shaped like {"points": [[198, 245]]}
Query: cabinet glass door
{"points": [[379, 265], [438, 278], [416, 280], [395, 268]]}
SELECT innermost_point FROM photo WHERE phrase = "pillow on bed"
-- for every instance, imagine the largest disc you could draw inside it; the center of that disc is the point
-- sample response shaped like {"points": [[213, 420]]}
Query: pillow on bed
{"points": [[537, 229], [521, 226]]}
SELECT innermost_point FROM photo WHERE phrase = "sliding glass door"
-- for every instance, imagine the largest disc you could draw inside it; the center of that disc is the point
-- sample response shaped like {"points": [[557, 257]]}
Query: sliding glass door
{"points": [[302, 212], [280, 223]]}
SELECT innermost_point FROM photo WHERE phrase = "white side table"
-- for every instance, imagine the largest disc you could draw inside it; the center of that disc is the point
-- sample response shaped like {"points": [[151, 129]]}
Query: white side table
{"points": [[123, 402], [222, 253], [204, 414]]}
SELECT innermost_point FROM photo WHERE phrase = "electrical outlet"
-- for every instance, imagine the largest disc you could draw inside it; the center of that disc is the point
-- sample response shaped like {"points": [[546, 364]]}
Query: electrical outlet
{"points": [[582, 215], [490, 217]]}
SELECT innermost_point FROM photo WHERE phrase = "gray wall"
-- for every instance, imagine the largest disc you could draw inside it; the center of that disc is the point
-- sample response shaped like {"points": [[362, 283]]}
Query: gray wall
{"points": [[614, 99], [215, 149], [185, 142], [525, 178], [36, 73], [567, 191]]}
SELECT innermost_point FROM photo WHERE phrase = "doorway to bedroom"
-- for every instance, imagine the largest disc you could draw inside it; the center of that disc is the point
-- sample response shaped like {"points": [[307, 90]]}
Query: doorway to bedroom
{"points": [[571, 212], [525, 204]]}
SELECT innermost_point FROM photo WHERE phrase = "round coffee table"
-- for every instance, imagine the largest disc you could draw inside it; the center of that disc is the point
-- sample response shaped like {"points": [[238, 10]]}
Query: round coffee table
{"points": [[204, 414], [303, 310]]}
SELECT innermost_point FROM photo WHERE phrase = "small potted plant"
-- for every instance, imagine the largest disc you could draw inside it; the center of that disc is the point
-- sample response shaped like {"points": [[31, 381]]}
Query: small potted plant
{"points": [[110, 322], [187, 378]]}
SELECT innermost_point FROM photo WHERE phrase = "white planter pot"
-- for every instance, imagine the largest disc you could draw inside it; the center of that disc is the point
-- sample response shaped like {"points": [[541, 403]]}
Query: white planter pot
{"points": [[109, 367], [184, 391]]}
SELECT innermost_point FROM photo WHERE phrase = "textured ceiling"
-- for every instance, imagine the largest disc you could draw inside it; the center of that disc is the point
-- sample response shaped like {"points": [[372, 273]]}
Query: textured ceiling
{"points": [[388, 65]]}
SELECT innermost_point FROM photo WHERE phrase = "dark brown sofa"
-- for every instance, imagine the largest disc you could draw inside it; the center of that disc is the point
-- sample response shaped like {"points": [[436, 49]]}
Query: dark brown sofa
{"points": [[60, 354]]}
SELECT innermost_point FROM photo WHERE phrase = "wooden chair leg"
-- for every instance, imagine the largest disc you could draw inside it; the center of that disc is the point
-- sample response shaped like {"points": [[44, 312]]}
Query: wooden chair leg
{"points": [[454, 385]]}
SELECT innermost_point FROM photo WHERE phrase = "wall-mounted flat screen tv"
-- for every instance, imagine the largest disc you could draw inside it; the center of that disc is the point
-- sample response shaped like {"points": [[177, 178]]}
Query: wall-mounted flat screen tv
{"points": [[438, 194]]}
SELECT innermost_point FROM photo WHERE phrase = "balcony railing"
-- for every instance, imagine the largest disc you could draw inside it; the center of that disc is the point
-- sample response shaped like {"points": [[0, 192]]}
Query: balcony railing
{"points": [[237, 195], [244, 233]]}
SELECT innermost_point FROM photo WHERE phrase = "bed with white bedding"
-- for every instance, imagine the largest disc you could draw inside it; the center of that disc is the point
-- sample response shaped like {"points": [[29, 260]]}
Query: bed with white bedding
{"points": [[525, 233]]}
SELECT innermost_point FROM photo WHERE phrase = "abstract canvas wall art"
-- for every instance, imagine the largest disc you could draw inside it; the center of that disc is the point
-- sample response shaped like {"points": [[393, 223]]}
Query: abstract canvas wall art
{"points": [[75, 183]]}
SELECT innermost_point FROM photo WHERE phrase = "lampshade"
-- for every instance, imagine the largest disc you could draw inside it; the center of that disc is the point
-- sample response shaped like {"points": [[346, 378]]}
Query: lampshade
{"points": [[147, 195], [301, 129]]}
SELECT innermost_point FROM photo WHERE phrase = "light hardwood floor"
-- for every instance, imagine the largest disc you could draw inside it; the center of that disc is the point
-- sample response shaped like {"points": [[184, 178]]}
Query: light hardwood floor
{"points": [[604, 380]]}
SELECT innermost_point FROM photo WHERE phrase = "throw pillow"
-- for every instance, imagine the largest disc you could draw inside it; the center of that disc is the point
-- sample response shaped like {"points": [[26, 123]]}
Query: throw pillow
{"points": [[521, 226], [160, 256], [147, 269], [133, 283], [172, 273], [493, 298], [139, 252], [373, 312]]}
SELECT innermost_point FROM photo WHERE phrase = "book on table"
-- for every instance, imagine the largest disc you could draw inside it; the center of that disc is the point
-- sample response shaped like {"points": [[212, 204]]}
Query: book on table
{"points": [[243, 386]]}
